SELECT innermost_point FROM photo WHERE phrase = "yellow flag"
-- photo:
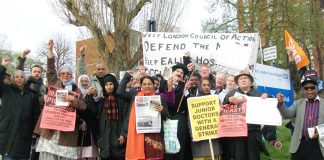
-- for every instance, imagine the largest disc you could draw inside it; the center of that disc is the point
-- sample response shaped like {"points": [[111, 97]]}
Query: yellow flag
{"points": [[299, 55]]}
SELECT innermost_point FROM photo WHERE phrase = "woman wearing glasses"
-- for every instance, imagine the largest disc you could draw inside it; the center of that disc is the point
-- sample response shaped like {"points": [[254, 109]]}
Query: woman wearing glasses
{"points": [[56, 144]]}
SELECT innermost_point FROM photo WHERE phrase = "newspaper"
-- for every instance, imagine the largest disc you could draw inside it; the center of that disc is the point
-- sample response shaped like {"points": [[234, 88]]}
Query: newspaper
{"points": [[320, 131], [167, 72], [59, 101], [148, 120]]}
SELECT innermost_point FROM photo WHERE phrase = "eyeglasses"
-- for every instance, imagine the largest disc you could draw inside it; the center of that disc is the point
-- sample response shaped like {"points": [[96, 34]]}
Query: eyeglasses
{"points": [[65, 73], [137, 88], [310, 88]]}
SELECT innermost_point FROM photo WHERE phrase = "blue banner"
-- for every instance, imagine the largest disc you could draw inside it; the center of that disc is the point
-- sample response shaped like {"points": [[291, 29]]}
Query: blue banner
{"points": [[288, 94]]}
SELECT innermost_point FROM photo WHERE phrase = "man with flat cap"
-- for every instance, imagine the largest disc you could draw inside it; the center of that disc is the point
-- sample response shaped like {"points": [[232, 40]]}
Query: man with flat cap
{"points": [[309, 113]]}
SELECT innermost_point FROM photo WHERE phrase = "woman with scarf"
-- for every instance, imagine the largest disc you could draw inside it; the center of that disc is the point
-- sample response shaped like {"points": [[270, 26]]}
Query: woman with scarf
{"points": [[111, 113], [18, 115], [55, 144], [88, 129], [147, 146]]}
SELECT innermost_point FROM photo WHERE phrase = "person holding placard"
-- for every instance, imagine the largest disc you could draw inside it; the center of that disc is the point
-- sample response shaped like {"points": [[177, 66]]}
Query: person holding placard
{"points": [[309, 113], [148, 145], [55, 144], [243, 148], [18, 115], [201, 149]]}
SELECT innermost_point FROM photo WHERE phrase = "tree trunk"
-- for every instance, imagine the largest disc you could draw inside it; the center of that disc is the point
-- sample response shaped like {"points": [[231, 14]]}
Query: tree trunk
{"points": [[262, 21], [240, 15]]}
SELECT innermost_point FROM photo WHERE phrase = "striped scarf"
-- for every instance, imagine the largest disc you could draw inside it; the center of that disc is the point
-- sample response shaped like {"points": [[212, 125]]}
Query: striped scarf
{"points": [[111, 108]]}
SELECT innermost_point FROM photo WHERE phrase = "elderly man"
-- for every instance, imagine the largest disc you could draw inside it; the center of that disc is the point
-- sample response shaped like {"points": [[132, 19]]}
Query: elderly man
{"points": [[247, 148], [220, 80], [309, 112]]}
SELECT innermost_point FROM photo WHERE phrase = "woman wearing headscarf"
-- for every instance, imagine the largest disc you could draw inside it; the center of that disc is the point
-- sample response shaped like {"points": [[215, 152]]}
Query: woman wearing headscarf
{"points": [[18, 115], [111, 113], [88, 129], [55, 144]]}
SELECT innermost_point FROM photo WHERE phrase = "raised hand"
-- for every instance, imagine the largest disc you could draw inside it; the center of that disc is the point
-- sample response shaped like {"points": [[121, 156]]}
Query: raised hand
{"points": [[25, 53], [50, 46], [187, 54], [83, 50]]}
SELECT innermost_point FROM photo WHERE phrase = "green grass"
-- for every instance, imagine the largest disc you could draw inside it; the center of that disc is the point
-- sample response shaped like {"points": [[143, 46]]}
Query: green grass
{"points": [[283, 135]]}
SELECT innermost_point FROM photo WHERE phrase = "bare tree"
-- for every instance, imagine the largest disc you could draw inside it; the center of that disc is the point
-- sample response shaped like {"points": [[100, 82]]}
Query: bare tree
{"points": [[106, 17], [63, 52], [166, 14]]}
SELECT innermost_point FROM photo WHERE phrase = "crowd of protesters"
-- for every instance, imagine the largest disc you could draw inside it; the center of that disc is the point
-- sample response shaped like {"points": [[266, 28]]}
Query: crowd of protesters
{"points": [[106, 120]]}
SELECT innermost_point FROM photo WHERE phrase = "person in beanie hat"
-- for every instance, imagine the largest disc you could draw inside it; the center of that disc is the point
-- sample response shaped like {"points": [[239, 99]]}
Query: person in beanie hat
{"points": [[249, 147], [309, 113], [111, 112]]}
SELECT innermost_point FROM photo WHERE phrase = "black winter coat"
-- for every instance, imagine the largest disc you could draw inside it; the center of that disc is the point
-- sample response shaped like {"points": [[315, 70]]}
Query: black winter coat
{"points": [[18, 116], [107, 132]]}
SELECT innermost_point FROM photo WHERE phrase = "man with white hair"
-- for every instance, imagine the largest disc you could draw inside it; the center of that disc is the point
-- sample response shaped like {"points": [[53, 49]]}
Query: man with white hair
{"points": [[220, 80]]}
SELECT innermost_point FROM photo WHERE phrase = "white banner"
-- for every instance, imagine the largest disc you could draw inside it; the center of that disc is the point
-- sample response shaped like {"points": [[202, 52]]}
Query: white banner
{"points": [[262, 111], [228, 52], [273, 77]]}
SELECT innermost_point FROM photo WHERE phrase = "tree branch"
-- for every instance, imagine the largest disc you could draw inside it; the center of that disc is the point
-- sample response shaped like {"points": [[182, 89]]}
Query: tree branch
{"points": [[106, 2], [135, 11]]}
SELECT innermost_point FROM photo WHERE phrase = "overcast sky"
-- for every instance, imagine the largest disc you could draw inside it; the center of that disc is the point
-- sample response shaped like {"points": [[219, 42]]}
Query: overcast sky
{"points": [[29, 23]]}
